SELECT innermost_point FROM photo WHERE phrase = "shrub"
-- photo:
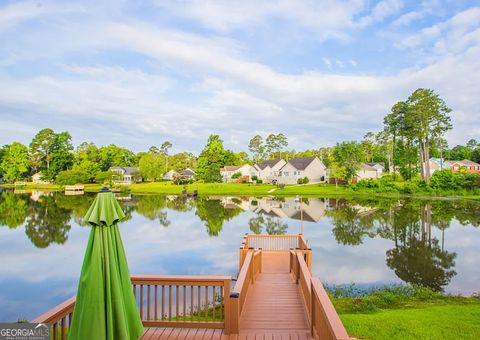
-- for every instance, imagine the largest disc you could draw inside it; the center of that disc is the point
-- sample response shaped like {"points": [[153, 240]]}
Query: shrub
{"points": [[236, 175], [443, 179], [300, 181], [255, 178], [259, 181], [70, 177], [105, 177], [305, 180]]}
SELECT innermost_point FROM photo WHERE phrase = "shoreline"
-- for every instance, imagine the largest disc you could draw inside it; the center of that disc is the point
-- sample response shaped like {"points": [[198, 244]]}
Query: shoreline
{"points": [[234, 189]]}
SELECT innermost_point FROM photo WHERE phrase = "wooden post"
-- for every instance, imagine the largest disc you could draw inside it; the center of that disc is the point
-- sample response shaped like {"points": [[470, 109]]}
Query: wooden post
{"points": [[234, 313], [227, 308], [309, 259], [312, 309]]}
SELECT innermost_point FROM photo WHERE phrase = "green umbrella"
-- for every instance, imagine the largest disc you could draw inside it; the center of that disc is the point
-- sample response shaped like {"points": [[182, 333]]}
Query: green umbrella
{"points": [[105, 307]]}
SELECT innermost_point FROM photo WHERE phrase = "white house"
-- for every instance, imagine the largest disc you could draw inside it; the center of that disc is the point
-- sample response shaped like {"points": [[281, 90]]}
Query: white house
{"points": [[228, 170], [168, 176], [37, 179], [268, 171], [296, 168], [367, 171], [126, 174], [379, 166]]}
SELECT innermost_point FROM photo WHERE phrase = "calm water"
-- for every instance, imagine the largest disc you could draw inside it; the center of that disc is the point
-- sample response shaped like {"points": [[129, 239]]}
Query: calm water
{"points": [[368, 242]]}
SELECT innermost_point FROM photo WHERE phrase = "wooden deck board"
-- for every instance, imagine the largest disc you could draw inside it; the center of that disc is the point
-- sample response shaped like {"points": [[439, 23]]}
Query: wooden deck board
{"points": [[274, 301], [273, 309]]}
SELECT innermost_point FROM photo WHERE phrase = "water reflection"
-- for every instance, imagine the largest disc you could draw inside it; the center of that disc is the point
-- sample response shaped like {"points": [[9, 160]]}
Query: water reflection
{"points": [[414, 253]]}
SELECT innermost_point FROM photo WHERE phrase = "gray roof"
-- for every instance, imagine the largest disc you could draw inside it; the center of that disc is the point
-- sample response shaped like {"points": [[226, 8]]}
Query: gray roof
{"points": [[301, 163], [271, 163], [187, 172], [367, 167], [129, 170], [377, 163]]}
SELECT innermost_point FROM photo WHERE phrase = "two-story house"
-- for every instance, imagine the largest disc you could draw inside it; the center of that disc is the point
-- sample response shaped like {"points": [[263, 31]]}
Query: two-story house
{"points": [[299, 168]]}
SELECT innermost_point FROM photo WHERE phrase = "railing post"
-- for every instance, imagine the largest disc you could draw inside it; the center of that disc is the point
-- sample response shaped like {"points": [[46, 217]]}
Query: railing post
{"points": [[309, 259], [234, 313], [252, 265], [260, 269], [312, 309], [227, 307]]}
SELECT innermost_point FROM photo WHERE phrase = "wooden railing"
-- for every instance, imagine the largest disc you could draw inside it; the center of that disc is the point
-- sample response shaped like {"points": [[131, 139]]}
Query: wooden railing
{"points": [[165, 301], [322, 316], [59, 318], [274, 242], [251, 267], [182, 301]]}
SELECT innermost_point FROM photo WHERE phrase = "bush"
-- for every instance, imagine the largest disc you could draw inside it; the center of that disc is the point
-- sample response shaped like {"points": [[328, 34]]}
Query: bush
{"points": [[300, 181], [255, 178], [105, 177], [259, 181], [303, 180], [70, 177], [443, 180], [236, 175]]}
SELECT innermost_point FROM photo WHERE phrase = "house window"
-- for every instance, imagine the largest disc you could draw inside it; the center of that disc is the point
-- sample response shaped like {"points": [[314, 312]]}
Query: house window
{"points": [[285, 173]]}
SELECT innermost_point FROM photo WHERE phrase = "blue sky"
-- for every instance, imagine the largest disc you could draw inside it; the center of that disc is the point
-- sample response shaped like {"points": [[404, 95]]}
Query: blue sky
{"points": [[136, 73]]}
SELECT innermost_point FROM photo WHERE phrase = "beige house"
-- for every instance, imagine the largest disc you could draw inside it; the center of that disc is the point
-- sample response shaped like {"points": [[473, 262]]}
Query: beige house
{"points": [[296, 168], [168, 176], [368, 171], [126, 174], [269, 171], [228, 170], [37, 179]]}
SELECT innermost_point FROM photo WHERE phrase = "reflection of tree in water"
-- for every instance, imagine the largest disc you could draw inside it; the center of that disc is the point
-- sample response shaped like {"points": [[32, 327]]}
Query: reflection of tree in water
{"points": [[272, 225], [422, 263], [180, 203], [350, 226], [417, 257], [152, 207], [77, 204], [47, 222], [214, 214], [13, 209]]}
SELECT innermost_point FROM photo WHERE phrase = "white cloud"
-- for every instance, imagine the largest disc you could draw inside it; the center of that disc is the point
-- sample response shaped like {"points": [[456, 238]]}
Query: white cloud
{"points": [[382, 10]]}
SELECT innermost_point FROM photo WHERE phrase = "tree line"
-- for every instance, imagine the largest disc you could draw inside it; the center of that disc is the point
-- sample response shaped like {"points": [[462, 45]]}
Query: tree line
{"points": [[413, 132]]}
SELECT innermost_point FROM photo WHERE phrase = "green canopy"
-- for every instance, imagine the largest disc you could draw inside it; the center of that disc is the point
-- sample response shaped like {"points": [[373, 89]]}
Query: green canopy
{"points": [[105, 307]]}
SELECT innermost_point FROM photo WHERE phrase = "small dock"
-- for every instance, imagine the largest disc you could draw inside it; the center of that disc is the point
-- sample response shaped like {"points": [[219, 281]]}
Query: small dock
{"points": [[274, 297]]}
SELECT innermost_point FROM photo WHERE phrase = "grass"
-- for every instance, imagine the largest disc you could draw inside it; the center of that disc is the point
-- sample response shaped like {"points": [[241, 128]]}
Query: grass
{"points": [[235, 189], [452, 321], [406, 312]]}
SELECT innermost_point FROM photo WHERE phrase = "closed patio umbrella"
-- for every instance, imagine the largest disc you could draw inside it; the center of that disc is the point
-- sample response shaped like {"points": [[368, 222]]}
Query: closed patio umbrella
{"points": [[105, 307]]}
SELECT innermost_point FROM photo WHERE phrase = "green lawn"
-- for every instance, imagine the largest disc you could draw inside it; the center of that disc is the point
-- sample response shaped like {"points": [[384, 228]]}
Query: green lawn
{"points": [[444, 321], [235, 189]]}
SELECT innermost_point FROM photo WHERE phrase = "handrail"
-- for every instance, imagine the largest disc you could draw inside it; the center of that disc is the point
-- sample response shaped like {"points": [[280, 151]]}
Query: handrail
{"points": [[58, 316], [322, 316], [274, 242], [250, 268], [324, 322], [167, 303]]}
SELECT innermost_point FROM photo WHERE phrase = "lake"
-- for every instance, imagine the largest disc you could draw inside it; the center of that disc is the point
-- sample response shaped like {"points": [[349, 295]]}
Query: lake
{"points": [[369, 242]]}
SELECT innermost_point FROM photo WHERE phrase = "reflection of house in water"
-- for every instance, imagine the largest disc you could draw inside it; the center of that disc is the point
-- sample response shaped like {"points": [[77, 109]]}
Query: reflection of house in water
{"points": [[310, 210], [37, 195]]}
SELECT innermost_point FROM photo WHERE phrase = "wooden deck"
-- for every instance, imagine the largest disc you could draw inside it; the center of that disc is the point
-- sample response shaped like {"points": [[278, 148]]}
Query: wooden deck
{"points": [[273, 309], [275, 297]]}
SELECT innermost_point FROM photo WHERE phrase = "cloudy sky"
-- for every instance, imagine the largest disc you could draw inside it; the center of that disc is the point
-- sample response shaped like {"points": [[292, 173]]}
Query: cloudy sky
{"points": [[136, 73]]}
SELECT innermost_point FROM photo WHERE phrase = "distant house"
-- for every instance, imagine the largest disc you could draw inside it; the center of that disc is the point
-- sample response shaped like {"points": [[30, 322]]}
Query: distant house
{"points": [[438, 164], [268, 171], [126, 174], [169, 175], [296, 168], [228, 170], [187, 174], [367, 171], [466, 164], [380, 166], [37, 179]]}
